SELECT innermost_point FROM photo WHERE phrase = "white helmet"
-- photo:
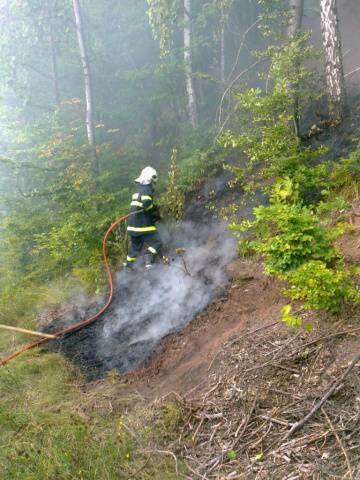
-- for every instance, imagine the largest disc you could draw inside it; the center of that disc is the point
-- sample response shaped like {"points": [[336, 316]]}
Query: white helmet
{"points": [[147, 176]]}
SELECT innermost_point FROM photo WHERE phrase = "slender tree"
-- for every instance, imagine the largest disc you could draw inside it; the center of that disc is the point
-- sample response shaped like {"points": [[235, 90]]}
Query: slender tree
{"points": [[54, 62], [334, 71], [294, 27], [222, 44], [296, 15], [89, 98], [191, 96]]}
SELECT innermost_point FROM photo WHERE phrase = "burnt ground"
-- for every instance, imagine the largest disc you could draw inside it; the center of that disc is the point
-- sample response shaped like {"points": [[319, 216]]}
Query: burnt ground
{"points": [[148, 304]]}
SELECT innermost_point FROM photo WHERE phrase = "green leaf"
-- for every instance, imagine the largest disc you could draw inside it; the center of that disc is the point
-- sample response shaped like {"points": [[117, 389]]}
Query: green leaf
{"points": [[231, 454]]}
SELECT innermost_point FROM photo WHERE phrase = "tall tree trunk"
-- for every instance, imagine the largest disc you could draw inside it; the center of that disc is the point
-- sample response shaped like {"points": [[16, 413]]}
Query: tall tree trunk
{"points": [[55, 73], [192, 108], [333, 58], [222, 45], [90, 130], [294, 27]]}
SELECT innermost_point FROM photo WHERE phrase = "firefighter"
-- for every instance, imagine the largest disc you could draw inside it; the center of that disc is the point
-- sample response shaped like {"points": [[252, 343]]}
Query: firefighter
{"points": [[143, 217]]}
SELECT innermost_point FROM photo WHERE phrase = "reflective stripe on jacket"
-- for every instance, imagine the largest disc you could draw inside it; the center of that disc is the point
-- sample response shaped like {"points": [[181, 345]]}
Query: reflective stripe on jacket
{"points": [[142, 202]]}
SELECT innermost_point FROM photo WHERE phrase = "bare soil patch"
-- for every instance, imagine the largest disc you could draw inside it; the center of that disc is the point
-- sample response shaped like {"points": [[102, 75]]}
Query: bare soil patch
{"points": [[182, 362]]}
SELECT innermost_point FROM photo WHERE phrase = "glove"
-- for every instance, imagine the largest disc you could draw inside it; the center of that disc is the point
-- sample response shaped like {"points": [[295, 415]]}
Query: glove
{"points": [[155, 214]]}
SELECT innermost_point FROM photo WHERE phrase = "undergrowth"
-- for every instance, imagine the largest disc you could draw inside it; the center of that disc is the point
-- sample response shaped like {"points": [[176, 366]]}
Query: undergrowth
{"points": [[49, 432], [295, 232]]}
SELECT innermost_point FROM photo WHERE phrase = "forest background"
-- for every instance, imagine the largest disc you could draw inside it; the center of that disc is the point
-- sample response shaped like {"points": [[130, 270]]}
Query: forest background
{"points": [[93, 91], [151, 77]]}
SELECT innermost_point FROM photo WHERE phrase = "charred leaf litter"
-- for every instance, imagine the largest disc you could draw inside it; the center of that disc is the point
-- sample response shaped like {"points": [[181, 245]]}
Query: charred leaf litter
{"points": [[150, 304]]}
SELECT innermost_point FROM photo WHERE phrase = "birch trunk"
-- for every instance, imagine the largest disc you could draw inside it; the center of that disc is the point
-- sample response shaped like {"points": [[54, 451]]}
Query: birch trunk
{"points": [[90, 130], [192, 108], [333, 58], [295, 22]]}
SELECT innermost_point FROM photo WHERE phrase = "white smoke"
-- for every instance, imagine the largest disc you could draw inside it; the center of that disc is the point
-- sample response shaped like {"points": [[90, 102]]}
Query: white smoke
{"points": [[153, 303]]}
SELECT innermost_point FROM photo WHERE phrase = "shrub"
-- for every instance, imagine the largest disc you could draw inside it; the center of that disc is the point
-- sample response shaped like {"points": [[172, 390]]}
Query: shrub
{"points": [[288, 235], [321, 287]]}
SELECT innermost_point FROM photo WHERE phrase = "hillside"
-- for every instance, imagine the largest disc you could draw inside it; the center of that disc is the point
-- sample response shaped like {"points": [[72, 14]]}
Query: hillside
{"points": [[180, 240]]}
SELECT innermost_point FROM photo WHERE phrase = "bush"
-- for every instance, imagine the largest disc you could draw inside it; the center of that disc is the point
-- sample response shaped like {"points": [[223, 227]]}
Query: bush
{"points": [[321, 287], [288, 235], [345, 176]]}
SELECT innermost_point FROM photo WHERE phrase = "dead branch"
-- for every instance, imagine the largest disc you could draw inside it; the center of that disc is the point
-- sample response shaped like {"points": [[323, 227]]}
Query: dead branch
{"points": [[353, 71], [246, 422], [237, 339], [298, 425], [165, 452], [339, 442]]}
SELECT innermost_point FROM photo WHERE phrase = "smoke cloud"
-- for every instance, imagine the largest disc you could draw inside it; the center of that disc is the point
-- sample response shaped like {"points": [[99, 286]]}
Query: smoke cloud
{"points": [[151, 304]]}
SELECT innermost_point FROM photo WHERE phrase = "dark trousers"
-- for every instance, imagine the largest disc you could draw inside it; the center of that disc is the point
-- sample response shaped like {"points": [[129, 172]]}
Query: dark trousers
{"points": [[152, 242]]}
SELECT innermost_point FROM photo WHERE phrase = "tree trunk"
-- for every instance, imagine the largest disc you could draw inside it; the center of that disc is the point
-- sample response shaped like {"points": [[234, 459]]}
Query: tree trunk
{"points": [[294, 27], [55, 73], [90, 130], [192, 108], [222, 45], [333, 58], [296, 15]]}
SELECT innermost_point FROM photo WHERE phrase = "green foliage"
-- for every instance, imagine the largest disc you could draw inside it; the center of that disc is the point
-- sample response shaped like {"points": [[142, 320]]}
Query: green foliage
{"points": [[40, 441], [321, 287], [298, 247], [289, 319], [293, 234], [168, 420], [163, 15], [173, 200], [266, 117], [289, 235], [231, 454], [345, 175]]}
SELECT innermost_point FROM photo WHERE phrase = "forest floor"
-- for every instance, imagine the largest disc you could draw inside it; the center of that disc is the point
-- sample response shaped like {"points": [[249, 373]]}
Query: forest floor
{"points": [[241, 379]]}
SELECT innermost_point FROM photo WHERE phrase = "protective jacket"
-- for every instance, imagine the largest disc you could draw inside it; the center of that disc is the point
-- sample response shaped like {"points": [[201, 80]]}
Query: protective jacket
{"points": [[142, 202]]}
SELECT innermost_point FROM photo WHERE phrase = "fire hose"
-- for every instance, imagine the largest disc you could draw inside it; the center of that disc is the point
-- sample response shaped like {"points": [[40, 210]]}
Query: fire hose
{"points": [[88, 321]]}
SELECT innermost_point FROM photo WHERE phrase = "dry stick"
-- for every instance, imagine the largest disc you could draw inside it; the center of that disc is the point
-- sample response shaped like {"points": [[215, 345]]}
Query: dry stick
{"points": [[264, 327], [228, 89], [353, 71], [296, 426], [326, 337], [248, 417], [29, 332], [339, 442], [165, 452], [282, 348], [240, 48]]}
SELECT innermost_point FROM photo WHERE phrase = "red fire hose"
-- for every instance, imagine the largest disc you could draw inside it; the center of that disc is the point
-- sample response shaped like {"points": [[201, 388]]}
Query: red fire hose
{"points": [[87, 321]]}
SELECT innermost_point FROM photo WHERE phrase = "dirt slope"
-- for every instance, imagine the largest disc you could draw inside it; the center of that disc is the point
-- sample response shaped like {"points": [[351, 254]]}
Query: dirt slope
{"points": [[183, 360]]}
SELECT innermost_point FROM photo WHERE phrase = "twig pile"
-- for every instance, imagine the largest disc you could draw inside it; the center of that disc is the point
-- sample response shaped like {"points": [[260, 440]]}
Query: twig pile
{"points": [[240, 430]]}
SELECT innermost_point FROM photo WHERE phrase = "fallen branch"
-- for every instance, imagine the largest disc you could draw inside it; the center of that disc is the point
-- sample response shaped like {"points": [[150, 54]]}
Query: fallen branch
{"points": [[298, 425], [165, 452], [237, 339], [340, 443]]}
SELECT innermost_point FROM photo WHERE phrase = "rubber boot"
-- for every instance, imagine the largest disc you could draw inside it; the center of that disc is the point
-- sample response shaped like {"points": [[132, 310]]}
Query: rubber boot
{"points": [[149, 260], [130, 266]]}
